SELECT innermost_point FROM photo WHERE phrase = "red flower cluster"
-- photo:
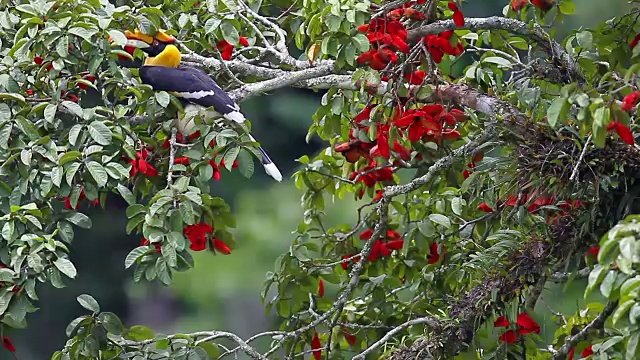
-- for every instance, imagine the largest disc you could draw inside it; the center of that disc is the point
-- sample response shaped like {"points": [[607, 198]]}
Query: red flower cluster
{"points": [[321, 288], [157, 246], [586, 352], [226, 49], [526, 325], [389, 35], [393, 241], [371, 174], [623, 132], [428, 123], [471, 167], [140, 164], [438, 45], [82, 196], [197, 235], [89, 78], [180, 139], [458, 17], [630, 101], [434, 255]]}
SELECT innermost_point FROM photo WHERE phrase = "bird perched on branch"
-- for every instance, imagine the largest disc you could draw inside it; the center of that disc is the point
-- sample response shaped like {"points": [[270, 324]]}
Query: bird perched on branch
{"points": [[163, 71]]}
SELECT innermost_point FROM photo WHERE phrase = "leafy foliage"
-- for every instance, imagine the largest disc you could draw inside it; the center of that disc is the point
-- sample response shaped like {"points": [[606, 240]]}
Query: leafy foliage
{"points": [[483, 180]]}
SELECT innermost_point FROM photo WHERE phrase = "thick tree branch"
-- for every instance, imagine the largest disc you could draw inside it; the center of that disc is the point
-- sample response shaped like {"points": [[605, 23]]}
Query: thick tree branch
{"points": [[597, 323]]}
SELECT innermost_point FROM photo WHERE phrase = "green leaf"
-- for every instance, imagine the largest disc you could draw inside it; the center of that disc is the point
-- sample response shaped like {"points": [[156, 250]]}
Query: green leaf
{"points": [[5, 299], [100, 133], [50, 112], [74, 132], [126, 194], [98, 173], [134, 255], [567, 7], [69, 156], [246, 165], [633, 351], [595, 277], [5, 134], [140, 333], [118, 37], [211, 25], [230, 33], [230, 156], [441, 220], [601, 118], [89, 303], [79, 219], [557, 111], [497, 60], [211, 349], [111, 323], [73, 108], [163, 98], [66, 267]]}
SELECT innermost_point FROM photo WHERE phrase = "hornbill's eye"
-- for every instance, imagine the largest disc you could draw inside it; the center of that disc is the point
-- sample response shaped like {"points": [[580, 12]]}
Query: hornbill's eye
{"points": [[155, 43]]}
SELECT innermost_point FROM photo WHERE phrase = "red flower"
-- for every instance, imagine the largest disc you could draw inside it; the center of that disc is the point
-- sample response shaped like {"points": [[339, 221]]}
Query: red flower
{"points": [[501, 322], [351, 339], [434, 256], [67, 200], [458, 17], [593, 251], [484, 207], [570, 354], [635, 41], [416, 78], [544, 5], [182, 160], [587, 351], [414, 14], [158, 246], [29, 91], [315, 344], [220, 246], [527, 325], [6, 342], [243, 41], [197, 235], [630, 101], [509, 337], [623, 131], [38, 60], [216, 170], [226, 49], [321, 288], [140, 164], [345, 264], [518, 5]]}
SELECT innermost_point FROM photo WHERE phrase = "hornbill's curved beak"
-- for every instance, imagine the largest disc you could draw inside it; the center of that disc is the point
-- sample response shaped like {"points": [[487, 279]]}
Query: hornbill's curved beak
{"points": [[141, 40]]}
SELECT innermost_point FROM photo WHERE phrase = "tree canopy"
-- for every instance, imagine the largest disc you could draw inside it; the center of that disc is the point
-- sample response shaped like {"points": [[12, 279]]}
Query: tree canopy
{"points": [[488, 158]]}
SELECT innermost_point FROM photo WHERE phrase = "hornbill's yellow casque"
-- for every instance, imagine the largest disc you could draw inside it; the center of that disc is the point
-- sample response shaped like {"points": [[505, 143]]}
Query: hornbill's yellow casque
{"points": [[162, 71]]}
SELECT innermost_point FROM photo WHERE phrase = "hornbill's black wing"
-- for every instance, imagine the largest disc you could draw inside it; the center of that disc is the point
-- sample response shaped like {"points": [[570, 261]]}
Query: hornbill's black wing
{"points": [[195, 86]]}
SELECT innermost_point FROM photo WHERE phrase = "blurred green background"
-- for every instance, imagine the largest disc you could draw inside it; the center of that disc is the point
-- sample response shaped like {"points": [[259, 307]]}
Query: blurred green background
{"points": [[223, 292]]}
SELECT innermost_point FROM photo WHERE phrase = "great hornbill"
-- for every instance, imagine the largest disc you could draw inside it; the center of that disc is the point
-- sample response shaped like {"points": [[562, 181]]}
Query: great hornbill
{"points": [[163, 71]]}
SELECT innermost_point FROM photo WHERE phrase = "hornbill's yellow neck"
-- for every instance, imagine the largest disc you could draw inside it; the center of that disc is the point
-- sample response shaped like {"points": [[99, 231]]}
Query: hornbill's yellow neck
{"points": [[169, 57]]}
